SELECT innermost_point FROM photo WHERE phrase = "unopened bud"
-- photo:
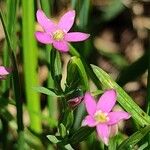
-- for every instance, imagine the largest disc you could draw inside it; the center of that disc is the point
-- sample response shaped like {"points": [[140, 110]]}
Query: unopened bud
{"points": [[75, 101]]}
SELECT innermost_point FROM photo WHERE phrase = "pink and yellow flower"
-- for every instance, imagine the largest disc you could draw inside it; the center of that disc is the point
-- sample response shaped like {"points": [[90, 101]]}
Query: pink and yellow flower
{"points": [[101, 116], [57, 34]]}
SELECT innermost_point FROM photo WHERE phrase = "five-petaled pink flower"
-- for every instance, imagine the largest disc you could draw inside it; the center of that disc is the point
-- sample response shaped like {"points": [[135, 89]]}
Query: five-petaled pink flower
{"points": [[57, 34], [4, 72], [100, 114]]}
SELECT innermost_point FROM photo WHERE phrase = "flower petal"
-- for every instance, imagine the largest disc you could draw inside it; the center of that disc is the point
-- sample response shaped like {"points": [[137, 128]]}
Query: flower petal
{"points": [[66, 21], [46, 23], [76, 36], [43, 37], [90, 104], [103, 132], [115, 117], [61, 46], [89, 121], [107, 101], [4, 71]]}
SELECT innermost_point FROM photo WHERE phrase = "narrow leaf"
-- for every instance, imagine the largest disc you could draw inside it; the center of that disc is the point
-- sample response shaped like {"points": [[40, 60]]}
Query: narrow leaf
{"points": [[44, 90], [53, 139], [134, 138]]}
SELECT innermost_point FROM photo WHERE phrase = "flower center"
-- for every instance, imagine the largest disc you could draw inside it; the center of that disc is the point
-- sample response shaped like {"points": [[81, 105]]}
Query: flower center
{"points": [[101, 117], [58, 35]]}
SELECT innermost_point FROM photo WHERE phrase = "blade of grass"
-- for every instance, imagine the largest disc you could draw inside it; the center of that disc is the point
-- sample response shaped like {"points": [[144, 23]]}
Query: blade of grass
{"points": [[46, 7], [148, 86], [11, 19], [148, 82], [83, 14], [73, 3], [30, 64], [16, 80], [123, 98], [134, 138]]}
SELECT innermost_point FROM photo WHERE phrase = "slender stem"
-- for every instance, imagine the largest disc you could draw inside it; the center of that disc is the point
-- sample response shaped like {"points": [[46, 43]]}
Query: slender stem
{"points": [[16, 80], [52, 103], [148, 81], [30, 58]]}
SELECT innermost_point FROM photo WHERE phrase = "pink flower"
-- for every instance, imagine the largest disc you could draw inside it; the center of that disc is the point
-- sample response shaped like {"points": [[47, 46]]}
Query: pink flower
{"points": [[4, 72], [57, 34], [101, 116]]}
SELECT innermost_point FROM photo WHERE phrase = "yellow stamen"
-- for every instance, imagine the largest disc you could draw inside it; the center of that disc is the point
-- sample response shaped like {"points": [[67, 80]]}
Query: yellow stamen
{"points": [[58, 35], [101, 117]]}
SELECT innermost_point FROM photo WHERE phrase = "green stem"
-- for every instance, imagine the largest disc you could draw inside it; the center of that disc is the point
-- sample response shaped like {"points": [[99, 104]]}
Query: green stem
{"points": [[52, 103], [16, 80], [148, 81], [30, 58]]}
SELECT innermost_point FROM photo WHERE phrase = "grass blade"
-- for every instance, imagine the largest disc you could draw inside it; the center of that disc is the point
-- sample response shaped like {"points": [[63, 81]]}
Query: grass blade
{"points": [[134, 138], [30, 64], [16, 81]]}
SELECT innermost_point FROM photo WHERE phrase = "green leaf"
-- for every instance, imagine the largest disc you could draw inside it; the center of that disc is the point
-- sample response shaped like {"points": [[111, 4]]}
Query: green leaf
{"points": [[55, 63], [97, 92], [83, 14], [53, 138], [73, 3], [15, 74], [123, 98], [56, 69], [73, 77], [44, 90], [67, 120], [62, 130], [142, 147], [81, 134], [30, 63], [134, 138], [82, 72], [87, 67], [68, 147]]}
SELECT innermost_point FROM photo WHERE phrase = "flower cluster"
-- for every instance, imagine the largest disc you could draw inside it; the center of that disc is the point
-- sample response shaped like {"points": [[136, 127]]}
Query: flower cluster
{"points": [[100, 114]]}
